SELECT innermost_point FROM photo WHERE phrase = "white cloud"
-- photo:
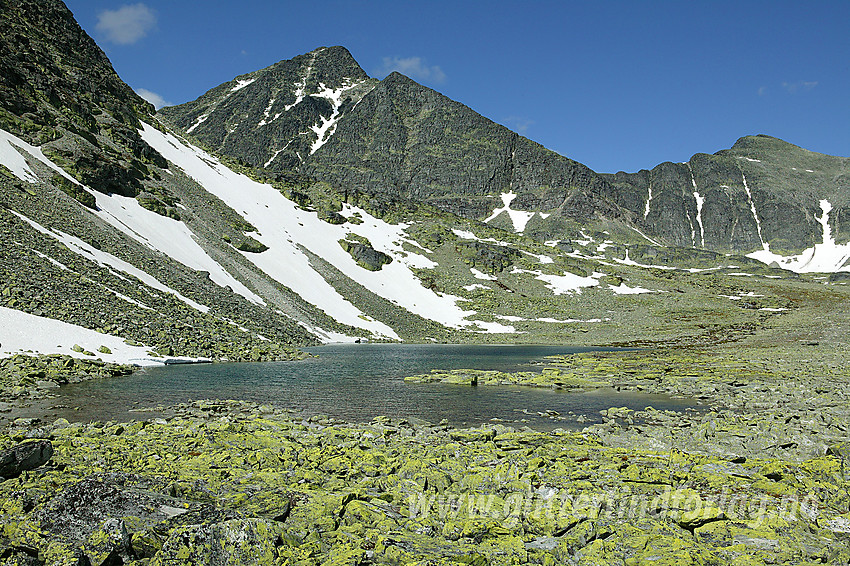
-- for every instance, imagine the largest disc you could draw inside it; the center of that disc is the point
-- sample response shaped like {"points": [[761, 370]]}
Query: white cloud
{"points": [[762, 90], [794, 88], [519, 124], [152, 97], [126, 25], [413, 67]]}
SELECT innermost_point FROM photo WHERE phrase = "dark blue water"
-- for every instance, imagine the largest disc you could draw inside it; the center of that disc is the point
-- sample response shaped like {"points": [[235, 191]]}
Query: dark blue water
{"points": [[357, 382]]}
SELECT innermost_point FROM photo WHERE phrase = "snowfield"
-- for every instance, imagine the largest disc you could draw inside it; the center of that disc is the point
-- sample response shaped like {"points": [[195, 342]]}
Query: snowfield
{"points": [[26, 333], [826, 257], [108, 260], [285, 229], [153, 230]]}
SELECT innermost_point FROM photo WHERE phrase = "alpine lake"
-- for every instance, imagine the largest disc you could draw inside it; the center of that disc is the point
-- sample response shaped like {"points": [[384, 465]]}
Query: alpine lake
{"points": [[358, 382]]}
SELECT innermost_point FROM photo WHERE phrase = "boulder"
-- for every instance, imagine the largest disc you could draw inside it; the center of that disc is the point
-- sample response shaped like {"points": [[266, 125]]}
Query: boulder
{"points": [[23, 457]]}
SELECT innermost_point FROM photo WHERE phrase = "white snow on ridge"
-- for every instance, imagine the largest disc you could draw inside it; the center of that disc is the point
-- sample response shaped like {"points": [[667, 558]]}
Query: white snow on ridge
{"points": [[284, 228], [21, 332], [826, 257], [108, 260], [242, 84]]}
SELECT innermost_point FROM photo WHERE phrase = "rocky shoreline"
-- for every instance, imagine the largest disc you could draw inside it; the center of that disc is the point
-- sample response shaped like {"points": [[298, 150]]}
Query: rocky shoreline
{"points": [[760, 477]]}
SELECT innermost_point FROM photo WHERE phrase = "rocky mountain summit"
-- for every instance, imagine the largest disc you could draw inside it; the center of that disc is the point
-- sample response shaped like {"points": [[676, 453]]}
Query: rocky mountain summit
{"points": [[320, 115]]}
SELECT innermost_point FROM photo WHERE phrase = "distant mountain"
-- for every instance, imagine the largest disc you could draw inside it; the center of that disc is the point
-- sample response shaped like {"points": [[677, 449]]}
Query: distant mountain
{"points": [[393, 137], [761, 193], [400, 138]]}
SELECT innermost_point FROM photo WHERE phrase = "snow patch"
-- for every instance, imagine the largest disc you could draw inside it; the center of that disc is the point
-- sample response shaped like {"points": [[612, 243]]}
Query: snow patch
{"points": [[12, 158], [700, 202], [326, 129], [826, 257], [200, 120], [623, 289], [242, 84], [21, 332], [628, 261], [267, 113], [475, 286], [568, 283], [519, 218], [479, 275], [272, 158], [647, 238], [755, 216]]}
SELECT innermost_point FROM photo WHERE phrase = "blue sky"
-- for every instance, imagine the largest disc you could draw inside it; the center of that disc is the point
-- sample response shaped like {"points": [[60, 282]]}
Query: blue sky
{"points": [[614, 85]]}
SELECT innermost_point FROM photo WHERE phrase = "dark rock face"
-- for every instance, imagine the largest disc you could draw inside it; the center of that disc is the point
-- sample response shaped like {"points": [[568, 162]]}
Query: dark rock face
{"points": [[56, 80], [393, 138], [762, 191], [407, 140], [27, 456]]}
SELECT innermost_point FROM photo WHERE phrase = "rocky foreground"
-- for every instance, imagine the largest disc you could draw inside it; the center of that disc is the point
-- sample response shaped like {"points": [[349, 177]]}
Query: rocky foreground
{"points": [[760, 479]]}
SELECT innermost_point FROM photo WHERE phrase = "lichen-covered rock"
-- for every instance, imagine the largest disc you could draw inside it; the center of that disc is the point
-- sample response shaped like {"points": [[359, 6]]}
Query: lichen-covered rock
{"points": [[230, 543]]}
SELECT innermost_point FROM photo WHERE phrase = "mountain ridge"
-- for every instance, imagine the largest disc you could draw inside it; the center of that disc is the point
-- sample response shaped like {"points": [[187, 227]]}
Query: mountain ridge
{"points": [[406, 139]]}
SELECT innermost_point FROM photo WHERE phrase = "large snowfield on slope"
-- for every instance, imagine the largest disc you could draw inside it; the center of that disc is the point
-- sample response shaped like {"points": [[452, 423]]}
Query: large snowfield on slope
{"points": [[105, 259], [21, 332], [283, 227]]}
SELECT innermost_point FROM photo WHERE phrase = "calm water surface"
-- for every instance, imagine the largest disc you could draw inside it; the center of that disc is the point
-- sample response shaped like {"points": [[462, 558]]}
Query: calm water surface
{"points": [[358, 382]]}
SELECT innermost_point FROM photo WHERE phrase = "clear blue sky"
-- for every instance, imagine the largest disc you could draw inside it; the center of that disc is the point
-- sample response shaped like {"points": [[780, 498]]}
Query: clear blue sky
{"points": [[614, 85]]}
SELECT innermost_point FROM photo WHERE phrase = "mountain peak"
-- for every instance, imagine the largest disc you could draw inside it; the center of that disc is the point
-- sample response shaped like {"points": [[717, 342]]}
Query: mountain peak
{"points": [[762, 141]]}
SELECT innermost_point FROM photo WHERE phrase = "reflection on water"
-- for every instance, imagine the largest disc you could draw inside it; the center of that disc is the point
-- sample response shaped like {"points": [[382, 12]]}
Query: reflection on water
{"points": [[357, 382]]}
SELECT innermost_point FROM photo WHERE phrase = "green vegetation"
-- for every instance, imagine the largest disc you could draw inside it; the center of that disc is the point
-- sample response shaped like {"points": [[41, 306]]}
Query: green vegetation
{"points": [[74, 191]]}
